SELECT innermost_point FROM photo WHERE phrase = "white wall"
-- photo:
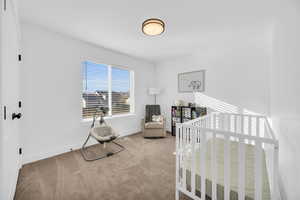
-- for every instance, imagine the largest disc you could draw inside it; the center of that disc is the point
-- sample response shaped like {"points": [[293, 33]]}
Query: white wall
{"points": [[285, 95], [51, 91], [237, 76]]}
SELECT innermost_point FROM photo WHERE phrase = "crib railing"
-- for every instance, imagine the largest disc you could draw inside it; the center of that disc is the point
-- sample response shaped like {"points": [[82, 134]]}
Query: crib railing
{"points": [[244, 129]]}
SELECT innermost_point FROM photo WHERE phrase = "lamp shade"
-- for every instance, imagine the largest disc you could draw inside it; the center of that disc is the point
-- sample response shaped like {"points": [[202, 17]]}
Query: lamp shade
{"points": [[154, 91]]}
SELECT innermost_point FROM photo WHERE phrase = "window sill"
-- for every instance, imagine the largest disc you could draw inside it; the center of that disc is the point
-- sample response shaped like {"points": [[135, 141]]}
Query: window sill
{"points": [[111, 117]]}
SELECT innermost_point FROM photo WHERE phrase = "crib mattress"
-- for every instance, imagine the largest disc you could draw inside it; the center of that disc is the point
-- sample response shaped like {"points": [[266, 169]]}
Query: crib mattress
{"points": [[234, 177]]}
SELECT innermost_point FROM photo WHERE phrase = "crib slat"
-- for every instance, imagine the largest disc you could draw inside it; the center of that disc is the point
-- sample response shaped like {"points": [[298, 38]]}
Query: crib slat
{"points": [[275, 173], [220, 121], [181, 137], [264, 128], [193, 176], [231, 123], [235, 123], [228, 122], [242, 124], [241, 169], [214, 167], [258, 170], [214, 122], [257, 127], [249, 125], [185, 133], [203, 163], [270, 163], [181, 154], [178, 133], [227, 168], [224, 121]]}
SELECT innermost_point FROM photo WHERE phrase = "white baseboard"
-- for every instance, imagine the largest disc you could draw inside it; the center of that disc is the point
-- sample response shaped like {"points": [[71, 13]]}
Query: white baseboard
{"points": [[43, 155]]}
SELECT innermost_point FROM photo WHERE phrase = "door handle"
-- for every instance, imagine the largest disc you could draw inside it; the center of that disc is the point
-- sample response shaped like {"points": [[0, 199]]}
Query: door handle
{"points": [[16, 115]]}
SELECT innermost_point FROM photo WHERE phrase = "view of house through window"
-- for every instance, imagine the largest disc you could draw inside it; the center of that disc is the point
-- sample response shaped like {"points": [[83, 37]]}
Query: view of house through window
{"points": [[105, 86], [120, 91]]}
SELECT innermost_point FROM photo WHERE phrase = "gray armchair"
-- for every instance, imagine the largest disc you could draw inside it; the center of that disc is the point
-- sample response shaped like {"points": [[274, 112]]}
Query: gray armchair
{"points": [[152, 129]]}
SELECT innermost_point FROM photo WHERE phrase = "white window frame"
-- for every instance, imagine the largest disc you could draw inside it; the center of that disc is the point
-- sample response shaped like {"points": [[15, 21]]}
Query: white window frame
{"points": [[109, 80]]}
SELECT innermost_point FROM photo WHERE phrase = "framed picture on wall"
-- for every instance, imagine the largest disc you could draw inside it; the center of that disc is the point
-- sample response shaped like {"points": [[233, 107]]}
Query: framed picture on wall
{"points": [[191, 81]]}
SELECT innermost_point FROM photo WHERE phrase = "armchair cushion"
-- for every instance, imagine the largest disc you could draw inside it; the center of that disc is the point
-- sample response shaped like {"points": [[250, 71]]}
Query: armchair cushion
{"points": [[150, 111], [154, 125], [157, 118]]}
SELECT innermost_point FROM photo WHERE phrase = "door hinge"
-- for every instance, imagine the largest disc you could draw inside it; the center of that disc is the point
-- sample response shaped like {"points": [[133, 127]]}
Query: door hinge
{"points": [[20, 104], [20, 151], [4, 112], [20, 57]]}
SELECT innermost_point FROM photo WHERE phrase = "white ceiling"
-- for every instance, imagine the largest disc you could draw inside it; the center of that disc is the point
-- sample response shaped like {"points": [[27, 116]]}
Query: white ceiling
{"points": [[116, 24]]}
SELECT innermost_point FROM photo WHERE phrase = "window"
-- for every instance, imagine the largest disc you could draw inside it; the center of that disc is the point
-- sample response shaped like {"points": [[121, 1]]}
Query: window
{"points": [[106, 86], [120, 91]]}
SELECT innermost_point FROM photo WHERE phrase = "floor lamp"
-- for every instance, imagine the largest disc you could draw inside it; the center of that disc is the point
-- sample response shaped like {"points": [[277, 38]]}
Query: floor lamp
{"points": [[154, 91]]}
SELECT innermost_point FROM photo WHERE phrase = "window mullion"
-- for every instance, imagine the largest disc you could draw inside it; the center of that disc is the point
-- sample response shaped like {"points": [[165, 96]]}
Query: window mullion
{"points": [[131, 92], [109, 91], [85, 68]]}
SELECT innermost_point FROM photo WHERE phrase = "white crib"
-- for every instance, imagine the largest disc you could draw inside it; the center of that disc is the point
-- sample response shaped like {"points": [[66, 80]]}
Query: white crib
{"points": [[227, 156]]}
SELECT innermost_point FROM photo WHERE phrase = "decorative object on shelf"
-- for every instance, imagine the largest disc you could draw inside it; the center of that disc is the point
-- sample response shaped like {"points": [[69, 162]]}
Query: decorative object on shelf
{"points": [[153, 27], [191, 81], [181, 114], [191, 104], [154, 91], [179, 103]]}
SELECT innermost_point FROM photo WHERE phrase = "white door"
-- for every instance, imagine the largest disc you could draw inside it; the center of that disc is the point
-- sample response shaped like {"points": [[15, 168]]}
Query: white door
{"points": [[9, 94]]}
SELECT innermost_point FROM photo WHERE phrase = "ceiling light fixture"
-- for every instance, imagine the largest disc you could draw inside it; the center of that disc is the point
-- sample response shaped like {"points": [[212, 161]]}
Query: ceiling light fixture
{"points": [[153, 27]]}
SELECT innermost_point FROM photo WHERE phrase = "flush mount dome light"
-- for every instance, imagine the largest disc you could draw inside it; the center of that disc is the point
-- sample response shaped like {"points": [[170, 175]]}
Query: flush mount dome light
{"points": [[153, 27]]}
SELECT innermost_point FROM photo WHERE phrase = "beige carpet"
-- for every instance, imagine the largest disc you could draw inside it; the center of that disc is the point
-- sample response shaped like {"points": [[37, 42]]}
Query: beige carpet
{"points": [[144, 171]]}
